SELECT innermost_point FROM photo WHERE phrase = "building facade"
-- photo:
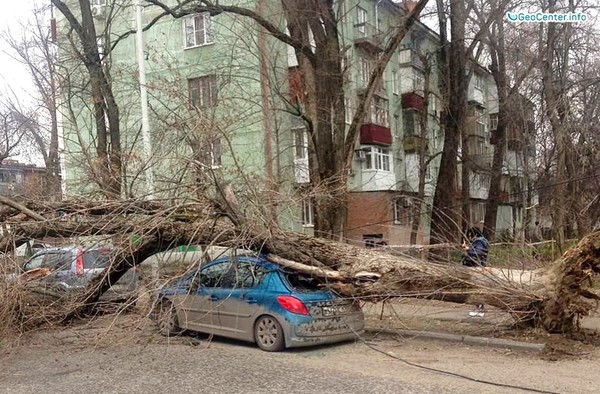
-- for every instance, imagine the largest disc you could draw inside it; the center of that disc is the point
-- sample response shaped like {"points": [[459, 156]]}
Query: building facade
{"points": [[218, 87]]}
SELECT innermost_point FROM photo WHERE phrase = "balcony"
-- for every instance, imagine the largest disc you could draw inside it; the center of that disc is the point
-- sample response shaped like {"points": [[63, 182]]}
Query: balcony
{"points": [[412, 100], [414, 143], [410, 57], [368, 38], [374, 134]]}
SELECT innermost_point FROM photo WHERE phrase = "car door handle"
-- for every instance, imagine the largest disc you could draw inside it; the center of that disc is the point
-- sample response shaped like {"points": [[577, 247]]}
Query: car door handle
{"points": [[214, 298], [251, 301]]}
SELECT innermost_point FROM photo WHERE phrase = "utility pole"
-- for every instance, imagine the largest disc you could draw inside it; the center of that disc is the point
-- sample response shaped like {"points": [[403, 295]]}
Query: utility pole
{"points": [[141, 59]]}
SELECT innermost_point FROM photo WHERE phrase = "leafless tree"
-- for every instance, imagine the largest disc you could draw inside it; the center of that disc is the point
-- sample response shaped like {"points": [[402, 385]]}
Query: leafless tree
{"points": [[331, 145], [36, 51], [105, 107]]}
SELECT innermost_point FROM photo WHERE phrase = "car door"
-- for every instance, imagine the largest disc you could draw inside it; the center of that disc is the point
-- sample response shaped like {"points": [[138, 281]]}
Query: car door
{"points": [[238, 300], [196, 309]]}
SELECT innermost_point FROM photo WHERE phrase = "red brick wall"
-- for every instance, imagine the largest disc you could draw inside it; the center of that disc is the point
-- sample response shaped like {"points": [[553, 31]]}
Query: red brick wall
{"points": [[373, 213]]}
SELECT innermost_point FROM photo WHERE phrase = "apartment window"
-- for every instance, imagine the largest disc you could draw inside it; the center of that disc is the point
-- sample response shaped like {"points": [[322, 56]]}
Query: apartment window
{"points": [[419, 81], [198, 30], [97, 2], [433, 104], [308, 215], [395, 82], [348, 114], [378, 112], [397, 126], [477, 146], [209, 153], [478, 81], [373, 240], [300, 143], [410, 119], [403, 210], [365, 70], [378, 159], [203, 91], [493, 121], [477, 212], [361, 19], [8, 177], [480, 120]]}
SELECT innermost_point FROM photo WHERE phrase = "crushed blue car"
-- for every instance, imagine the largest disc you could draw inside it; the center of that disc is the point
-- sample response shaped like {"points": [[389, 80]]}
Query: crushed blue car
{"points": [[251, 299]]}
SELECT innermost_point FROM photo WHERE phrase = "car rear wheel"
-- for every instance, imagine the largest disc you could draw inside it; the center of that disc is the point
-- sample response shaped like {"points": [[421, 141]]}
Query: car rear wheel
{"points": [[268, 334], [167, 319]]}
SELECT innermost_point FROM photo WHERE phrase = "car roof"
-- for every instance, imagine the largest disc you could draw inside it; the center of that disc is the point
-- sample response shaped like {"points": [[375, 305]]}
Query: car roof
{"points": [[70, 249], [256, 260]]}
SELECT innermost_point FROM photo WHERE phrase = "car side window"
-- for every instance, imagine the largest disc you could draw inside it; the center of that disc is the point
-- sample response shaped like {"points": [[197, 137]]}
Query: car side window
{"points": [[215, 275], [34, 263], [248, 275], [60, 260]]}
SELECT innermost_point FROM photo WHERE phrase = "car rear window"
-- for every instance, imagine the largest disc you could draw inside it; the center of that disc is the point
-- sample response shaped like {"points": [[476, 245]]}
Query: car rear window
{"points": [[95, 259], [303, 283]]}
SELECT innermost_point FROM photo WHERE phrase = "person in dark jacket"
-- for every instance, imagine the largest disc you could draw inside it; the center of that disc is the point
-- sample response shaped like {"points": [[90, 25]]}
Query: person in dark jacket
{"points": [[476, 254]]}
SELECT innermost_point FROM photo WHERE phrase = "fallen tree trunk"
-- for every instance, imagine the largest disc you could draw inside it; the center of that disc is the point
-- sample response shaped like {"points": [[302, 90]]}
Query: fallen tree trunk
{"points": [[554, 298]]}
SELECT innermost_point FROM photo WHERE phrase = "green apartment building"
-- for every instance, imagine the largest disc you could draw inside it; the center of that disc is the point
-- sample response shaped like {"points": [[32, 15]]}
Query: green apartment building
{"points": [[219, 89]]}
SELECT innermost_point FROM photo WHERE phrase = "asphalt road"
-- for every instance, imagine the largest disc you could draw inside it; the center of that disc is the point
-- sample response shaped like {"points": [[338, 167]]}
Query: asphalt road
{"points": [[73, 364]]}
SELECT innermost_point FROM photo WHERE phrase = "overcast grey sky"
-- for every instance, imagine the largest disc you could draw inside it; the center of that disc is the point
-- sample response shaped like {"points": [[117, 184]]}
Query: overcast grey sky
{"points": [[12, 74]]}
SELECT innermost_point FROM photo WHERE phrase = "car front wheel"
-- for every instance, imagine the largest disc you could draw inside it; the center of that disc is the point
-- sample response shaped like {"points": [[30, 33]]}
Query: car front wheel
{"points": [[167, 319], [269, 334]]}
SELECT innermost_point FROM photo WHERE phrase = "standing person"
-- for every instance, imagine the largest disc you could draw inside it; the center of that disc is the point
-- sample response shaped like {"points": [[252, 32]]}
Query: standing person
{"points": [[476, 254]]}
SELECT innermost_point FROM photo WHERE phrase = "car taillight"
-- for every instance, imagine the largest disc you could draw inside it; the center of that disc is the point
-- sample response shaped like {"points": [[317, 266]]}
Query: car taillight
{"points": [[292, 305], [79, 263]]}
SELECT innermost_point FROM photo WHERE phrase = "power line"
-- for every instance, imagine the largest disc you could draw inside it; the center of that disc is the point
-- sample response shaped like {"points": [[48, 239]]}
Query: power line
{"points": [[455, 374]]}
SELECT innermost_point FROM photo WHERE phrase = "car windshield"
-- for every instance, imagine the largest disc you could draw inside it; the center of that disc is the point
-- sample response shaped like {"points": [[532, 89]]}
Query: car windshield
{"points": [[302, 283]]}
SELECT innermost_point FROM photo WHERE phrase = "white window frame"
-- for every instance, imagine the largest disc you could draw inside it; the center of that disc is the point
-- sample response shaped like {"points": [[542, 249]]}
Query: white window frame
{"points": [[362, 18], [403, 213], [480, 120], [414, 114], [493, 121], [308, 212], [213, 93], [215, 153], [348, 110], [477, 212], [479, 146], [378, 159], [418, 81], [479, 82], [397, 126], [210, 153], [395, 83], [300, 143], [97, 2], [379, 111], [208, 36], [365, 70]]}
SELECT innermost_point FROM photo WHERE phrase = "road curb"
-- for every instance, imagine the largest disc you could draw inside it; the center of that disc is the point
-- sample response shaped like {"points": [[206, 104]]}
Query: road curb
{"points": [[465, 339]]}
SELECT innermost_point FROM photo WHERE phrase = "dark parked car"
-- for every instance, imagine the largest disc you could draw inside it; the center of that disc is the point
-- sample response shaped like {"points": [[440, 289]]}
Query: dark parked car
{"points": [[251, 299], [72, 267]]}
